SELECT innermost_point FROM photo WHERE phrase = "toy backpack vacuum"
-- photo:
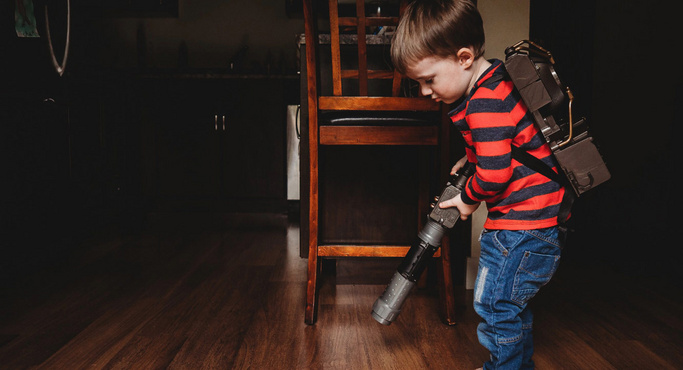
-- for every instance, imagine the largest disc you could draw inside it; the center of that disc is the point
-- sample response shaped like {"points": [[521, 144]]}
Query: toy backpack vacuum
{"points": [[531, 69]]}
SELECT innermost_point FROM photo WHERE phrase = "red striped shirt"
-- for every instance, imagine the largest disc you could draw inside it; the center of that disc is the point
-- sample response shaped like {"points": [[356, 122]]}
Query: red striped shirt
{"points": [[491, 119]]}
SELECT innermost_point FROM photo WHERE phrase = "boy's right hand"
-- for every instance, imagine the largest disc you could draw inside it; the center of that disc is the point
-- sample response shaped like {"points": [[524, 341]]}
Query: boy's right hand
{"points": [[465, 209]]}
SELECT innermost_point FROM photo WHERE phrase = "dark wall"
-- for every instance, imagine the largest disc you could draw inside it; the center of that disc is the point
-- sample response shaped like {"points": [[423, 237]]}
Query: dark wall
{"points": [[615, 57]]}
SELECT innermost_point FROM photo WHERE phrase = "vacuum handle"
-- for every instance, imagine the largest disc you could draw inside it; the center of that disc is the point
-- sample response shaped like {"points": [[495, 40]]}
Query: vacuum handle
{"points": [[447, 217], [464, 173]]}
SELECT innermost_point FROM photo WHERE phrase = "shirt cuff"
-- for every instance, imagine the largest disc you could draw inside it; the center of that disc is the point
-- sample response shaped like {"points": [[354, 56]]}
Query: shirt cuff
{"points": [[466, 198]]}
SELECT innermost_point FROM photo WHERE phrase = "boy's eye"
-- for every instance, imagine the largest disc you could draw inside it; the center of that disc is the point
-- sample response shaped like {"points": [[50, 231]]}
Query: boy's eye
{"points": [[429, 80]]}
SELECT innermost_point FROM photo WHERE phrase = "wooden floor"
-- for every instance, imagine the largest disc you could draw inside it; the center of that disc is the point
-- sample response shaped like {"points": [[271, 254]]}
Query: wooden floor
{"points": [[228, 292]]}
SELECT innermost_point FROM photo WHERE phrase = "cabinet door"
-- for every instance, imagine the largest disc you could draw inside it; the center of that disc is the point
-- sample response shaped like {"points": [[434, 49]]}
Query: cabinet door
{"points": [[35, 201], [217, 143], [255, 139], [187, 143]]}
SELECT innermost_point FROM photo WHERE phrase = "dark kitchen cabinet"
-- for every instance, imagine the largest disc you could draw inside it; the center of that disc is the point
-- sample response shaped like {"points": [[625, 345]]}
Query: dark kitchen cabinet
{"points": [[69, 173], [216, 142]]}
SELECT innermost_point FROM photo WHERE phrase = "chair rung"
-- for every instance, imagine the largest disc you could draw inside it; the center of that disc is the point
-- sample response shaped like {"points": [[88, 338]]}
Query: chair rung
{"points": [[379, 135], [366, 251]]}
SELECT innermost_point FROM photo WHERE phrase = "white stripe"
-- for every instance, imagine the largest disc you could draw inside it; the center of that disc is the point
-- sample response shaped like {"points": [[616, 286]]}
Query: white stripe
{"points": [[480, 284]]}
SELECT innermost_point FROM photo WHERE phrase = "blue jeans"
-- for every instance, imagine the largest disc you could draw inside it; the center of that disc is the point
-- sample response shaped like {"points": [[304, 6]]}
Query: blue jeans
{"points": [[513, 266]]}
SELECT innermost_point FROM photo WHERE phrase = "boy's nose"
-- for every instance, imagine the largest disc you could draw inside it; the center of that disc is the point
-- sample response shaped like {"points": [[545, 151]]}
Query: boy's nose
{"points": [[426, 91]]}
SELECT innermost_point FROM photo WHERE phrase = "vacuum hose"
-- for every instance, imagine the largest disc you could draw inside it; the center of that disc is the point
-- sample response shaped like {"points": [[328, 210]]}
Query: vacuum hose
{"points": [[388, 305]]}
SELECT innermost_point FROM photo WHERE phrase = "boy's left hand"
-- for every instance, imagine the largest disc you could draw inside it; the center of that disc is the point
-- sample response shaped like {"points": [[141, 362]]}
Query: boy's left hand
{"points": [[465, 209]]}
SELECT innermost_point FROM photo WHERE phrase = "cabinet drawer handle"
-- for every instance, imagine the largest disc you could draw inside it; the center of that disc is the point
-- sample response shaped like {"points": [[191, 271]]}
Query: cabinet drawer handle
{"points": [[223, 122], [215, 122]]}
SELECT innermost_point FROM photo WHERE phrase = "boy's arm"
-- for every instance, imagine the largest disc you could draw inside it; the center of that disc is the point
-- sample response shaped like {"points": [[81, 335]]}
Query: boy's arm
{"points": [[493, 125], [465, 209]]}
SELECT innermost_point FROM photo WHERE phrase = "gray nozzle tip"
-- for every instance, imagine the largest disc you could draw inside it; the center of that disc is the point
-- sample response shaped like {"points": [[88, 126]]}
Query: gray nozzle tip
{"points": [[388, 305], [383, 313], [380, 319]]}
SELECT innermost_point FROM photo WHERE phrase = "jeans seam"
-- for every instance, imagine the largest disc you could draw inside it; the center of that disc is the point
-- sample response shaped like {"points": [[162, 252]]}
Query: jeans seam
{"points": [[496, 293], [517, 292], [522, 265], [499, 245], [514, 339], [537, 235]]}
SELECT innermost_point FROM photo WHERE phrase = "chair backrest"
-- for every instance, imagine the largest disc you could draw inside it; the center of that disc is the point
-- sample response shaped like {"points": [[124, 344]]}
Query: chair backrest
{"points": [[361, 23], [339, 99]]}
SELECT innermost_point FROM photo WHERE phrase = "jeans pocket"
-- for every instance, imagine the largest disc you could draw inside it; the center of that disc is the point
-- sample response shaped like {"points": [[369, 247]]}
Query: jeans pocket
{"points": [[535, 271], [506, 240]]}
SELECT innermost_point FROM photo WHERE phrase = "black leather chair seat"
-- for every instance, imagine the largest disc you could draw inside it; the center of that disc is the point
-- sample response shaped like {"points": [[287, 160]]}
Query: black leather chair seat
{"points": [[379, 118]]}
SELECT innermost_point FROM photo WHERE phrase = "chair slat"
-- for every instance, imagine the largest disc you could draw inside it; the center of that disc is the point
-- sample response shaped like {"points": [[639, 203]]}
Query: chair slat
{"points": [[334, 46], [362, 49]]}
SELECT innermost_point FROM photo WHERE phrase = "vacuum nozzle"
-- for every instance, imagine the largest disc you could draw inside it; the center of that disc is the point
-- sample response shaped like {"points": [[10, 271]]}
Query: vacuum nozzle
{"points": [[388, 306]]}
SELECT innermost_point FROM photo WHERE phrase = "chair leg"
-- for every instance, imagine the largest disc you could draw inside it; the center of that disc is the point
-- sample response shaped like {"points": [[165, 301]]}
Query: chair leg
{"points": [[423, 197], [313, 260], [446, 289], [446, 275], [443, 268], [314, 263], [312, 287], [313, 214]]}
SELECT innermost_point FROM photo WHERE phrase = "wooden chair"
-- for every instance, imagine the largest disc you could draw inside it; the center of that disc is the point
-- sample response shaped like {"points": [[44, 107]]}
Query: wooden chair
{"points": [[322, 131]]}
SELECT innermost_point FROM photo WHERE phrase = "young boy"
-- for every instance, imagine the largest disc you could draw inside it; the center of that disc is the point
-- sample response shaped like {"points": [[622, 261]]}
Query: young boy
{"points": [[440, 44]]}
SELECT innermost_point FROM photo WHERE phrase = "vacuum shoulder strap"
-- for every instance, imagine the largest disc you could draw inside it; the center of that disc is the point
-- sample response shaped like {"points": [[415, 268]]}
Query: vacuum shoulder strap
{"points": [[537, 165]]}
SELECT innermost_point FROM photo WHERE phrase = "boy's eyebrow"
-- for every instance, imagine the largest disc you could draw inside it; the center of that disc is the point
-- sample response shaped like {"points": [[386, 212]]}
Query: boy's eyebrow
{"points": [[421, 77]]}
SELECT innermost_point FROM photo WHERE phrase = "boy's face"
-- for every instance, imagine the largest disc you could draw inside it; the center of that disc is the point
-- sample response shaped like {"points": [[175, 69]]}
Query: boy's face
{"points": [[444, 79]]}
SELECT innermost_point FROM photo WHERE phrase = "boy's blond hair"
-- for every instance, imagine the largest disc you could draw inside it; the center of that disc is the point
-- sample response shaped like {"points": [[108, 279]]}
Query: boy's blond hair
{"points": [[436, 28]]}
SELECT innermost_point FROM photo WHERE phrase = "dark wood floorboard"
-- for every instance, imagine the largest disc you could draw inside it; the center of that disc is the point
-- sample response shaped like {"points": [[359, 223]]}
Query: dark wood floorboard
{"points": [[228, 292]]}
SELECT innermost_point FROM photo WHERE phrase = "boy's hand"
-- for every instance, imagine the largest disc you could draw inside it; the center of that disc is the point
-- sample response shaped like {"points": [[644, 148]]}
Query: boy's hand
{"points": [[465, 209], [458, 165]]}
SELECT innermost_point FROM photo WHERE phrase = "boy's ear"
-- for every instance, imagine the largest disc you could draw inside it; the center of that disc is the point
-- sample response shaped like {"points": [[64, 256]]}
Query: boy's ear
{"points": [[465, 57]]}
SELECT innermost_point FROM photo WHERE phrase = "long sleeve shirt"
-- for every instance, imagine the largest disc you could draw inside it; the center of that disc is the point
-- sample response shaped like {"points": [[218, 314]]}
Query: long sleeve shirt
{"points": [[491, 119]]}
